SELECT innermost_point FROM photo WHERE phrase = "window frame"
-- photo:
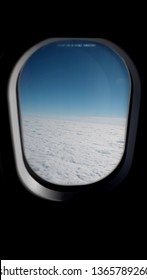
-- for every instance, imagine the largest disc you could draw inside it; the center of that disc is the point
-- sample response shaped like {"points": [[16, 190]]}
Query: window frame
{"points": [[59, 193]]}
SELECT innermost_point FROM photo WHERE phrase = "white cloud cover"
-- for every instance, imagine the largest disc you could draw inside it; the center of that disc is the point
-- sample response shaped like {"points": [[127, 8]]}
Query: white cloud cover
{"points": [[73, 152]]}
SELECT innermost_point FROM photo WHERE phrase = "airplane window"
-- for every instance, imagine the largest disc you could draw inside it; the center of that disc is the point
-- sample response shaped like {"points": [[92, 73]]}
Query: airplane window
{"points": [[70, 104]]}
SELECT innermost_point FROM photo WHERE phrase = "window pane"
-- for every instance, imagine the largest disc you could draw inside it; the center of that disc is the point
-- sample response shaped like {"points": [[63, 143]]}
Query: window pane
{"points": [[74, 100]]}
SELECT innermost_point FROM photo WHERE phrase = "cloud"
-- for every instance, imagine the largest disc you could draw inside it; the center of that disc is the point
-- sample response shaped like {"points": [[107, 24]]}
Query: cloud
{"points": [[72, 152]]}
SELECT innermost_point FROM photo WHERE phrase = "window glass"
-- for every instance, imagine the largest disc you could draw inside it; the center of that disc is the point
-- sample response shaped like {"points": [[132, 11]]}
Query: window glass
{"points": [[73, 98]]}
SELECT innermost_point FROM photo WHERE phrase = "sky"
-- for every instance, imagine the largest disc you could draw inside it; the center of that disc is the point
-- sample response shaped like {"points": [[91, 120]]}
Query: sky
{"points": [[75, 78]]}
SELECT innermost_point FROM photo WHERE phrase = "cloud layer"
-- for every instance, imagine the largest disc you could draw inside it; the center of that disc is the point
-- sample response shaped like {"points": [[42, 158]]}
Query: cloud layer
{"points": [[72, 152]]}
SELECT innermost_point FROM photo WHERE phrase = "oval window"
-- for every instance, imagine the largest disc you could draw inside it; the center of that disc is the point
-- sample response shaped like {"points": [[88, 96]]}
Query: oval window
{"points": [[73, 100]]}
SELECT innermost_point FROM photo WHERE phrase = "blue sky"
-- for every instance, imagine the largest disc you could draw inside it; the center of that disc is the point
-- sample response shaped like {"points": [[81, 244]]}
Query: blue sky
{"points": [[63, 79]]}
